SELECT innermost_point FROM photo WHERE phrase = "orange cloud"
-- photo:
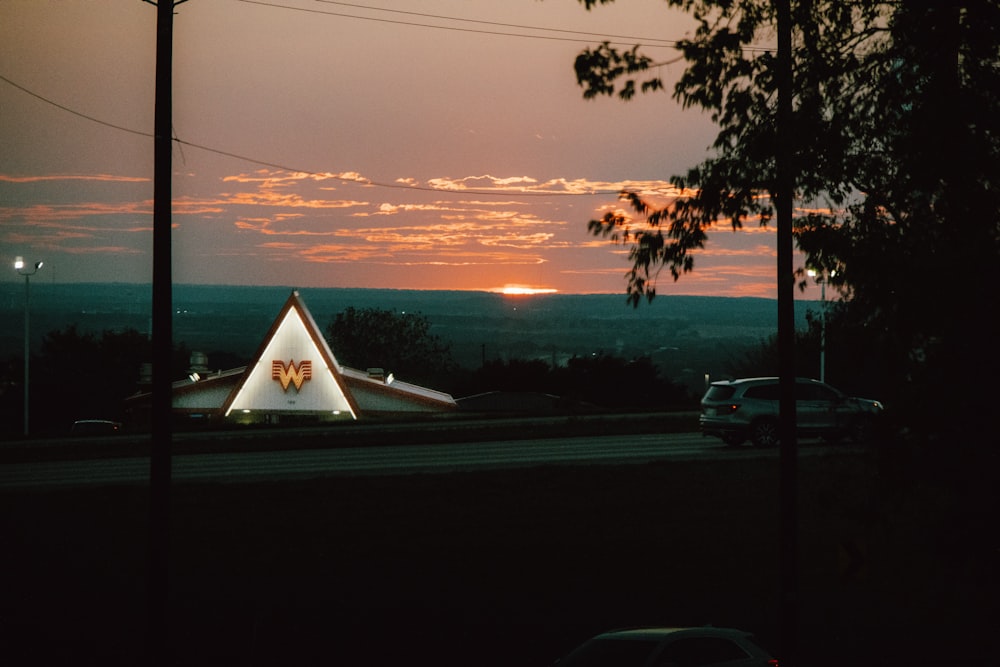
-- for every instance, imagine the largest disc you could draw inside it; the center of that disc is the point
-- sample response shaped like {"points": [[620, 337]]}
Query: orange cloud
{"points": [[107, 178], [268, 198], [278, 178], [42, 214], [278, 216], [103, 250], [529, 185], [395, 209], [518, 240]]}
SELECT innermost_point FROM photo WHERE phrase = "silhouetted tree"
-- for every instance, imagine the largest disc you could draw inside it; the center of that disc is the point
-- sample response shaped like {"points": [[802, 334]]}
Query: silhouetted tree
{"points": [[515, 375], [78, 375], [614, 382], [599, 380], [854, 361], [399, 343], [896, 109]]}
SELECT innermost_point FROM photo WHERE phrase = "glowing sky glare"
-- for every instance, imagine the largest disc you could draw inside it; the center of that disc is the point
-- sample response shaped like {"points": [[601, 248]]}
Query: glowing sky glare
{"points": [[520, 290], [380, 154]]}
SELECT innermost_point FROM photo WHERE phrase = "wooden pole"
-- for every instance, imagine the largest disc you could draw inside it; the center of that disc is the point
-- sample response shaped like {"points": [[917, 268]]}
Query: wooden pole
{"points": [[787, 492], [161, 416]]}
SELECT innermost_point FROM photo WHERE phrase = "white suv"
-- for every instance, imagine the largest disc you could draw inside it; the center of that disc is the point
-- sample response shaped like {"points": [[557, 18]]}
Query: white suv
{"points": [[747, 409]]}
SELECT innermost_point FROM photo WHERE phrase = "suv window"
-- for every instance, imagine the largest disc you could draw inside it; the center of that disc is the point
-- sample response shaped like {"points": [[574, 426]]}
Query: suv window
{"points": [[809, 391], [766, 392], [720, 392], [695, 651], [609, 652]]}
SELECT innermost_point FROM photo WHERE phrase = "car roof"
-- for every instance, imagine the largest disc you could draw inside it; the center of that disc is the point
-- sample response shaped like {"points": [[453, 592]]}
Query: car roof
{"points": [[660, 633], [745, 380], [764, 379]]}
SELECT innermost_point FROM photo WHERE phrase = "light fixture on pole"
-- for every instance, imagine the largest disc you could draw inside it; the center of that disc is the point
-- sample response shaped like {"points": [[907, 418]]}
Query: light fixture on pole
{"points": [[821, 277], [19, 267]]}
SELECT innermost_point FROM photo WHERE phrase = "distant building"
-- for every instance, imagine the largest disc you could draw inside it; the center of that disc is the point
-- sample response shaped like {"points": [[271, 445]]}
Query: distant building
{"points": [[293, 378]]}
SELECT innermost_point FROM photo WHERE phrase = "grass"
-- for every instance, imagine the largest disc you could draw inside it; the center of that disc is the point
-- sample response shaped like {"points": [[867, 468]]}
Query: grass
{"points": [[486, 568]]}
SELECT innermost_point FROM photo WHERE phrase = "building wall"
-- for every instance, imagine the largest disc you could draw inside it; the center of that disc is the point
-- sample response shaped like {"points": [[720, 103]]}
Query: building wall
{"points": [[291, 345]]}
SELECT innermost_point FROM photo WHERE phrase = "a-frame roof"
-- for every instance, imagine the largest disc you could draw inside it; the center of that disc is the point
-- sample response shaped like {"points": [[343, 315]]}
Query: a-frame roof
{"points": [[294, 370]]}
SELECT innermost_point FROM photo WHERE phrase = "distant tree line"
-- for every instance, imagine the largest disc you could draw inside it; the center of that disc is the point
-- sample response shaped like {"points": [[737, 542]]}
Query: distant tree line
{"points": [[600, 380], [83, 375], [80, 375], [402, 343]]}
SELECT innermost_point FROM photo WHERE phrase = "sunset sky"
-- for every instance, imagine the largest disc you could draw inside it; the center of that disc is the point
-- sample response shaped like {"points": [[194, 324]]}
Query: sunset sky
{"points": [[432, 144]]}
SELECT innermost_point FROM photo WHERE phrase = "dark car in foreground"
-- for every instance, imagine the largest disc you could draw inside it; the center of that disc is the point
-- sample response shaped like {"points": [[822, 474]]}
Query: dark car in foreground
{"points": [[84, 427], [747, 409], [670, 647]]}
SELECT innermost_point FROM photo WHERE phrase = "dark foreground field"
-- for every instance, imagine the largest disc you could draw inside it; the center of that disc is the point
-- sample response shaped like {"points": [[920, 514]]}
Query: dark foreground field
{"points": [[505, 568]]}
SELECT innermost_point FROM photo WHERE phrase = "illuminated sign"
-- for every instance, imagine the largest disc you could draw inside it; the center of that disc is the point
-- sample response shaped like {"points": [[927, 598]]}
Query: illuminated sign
{"points": [[294, 352], [290, 373]]}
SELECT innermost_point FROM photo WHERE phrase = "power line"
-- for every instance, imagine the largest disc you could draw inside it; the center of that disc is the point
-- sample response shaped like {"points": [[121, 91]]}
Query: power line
{"points": [[655, 42], [283, 167], [648, 42], [665, 42], [479, 31], [73, 111]]}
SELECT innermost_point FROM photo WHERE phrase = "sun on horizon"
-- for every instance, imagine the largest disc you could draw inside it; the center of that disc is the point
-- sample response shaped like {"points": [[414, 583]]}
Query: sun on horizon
{"points": [[522, 290]]}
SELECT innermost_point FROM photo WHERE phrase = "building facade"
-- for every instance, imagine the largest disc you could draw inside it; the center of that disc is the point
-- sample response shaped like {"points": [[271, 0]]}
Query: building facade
{"points": [[293, 378]]}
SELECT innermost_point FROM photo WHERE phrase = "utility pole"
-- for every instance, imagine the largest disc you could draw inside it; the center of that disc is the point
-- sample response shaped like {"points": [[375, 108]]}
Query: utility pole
{"points": [[20, 267], [158, 574], [787, 484]]}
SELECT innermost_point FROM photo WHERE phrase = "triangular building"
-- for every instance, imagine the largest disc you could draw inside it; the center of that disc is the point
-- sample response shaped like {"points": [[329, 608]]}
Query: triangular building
{"points": [[294, 377]]}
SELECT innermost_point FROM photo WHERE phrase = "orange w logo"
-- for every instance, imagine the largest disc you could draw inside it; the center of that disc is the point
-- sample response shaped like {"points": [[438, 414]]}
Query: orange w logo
{"points": [[291, 374]]}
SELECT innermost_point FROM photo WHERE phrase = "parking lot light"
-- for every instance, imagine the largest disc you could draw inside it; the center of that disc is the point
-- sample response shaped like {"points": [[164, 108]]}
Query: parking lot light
{"points": [[820, 277], [19, 267]]}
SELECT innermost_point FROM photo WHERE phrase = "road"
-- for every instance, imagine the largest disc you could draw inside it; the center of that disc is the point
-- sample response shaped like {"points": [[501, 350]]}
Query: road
{"points": [[385, 460]]}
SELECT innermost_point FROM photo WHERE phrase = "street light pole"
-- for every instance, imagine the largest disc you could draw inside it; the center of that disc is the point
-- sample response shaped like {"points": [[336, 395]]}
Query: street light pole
{"points": [[822, 331], [19, 267], [821, 279]]}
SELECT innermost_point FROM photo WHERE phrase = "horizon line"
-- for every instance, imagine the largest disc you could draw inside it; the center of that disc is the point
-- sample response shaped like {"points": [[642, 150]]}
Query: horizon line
{"points": [[543, 292]]}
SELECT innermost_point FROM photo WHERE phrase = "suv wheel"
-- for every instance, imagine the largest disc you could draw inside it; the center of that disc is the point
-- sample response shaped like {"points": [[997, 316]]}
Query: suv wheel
{"points": [[764, 433]]}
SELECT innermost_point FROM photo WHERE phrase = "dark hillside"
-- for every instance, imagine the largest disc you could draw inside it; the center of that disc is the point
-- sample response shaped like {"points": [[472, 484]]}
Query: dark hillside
{"points": [[686, 337]]}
